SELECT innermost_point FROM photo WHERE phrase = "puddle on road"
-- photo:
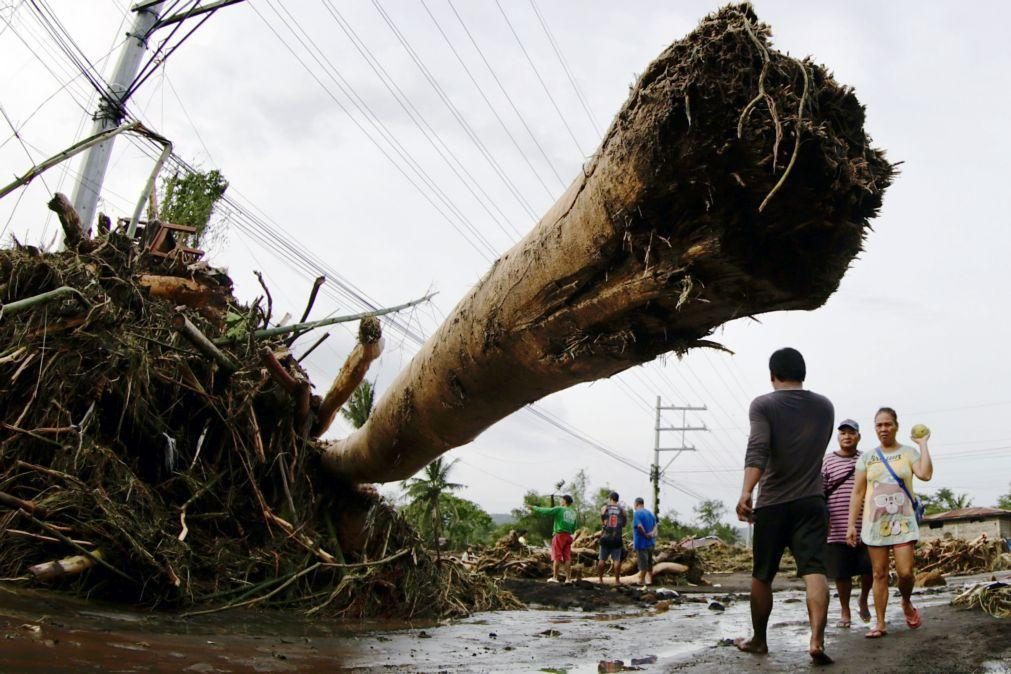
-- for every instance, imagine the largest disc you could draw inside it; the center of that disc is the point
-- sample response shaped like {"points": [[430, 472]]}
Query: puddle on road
{"points": [[40, 628]]}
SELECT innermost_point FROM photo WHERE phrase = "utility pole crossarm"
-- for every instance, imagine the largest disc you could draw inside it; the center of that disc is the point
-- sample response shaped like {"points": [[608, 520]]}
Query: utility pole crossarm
{"points": [[196, 11], [656, 473]]}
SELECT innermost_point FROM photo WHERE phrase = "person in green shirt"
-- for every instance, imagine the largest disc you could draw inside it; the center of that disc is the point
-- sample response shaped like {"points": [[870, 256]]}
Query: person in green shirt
{"points": [[561, 535]]}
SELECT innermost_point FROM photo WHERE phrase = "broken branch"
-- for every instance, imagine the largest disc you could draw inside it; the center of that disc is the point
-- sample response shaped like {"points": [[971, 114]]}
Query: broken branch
{"points": [[369, 347], [199, 340]]}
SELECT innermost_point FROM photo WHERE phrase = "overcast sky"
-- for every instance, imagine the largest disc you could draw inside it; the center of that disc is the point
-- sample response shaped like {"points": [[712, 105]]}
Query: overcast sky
{"points": [[412, 170]]}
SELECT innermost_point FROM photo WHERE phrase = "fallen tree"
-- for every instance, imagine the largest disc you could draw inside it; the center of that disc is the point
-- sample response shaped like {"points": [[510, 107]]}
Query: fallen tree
{"points": [[145, 456], [734, 181]]}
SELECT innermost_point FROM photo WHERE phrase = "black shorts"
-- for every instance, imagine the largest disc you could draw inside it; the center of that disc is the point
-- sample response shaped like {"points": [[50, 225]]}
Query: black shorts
{"points": [[843, 561], [800, 525]]}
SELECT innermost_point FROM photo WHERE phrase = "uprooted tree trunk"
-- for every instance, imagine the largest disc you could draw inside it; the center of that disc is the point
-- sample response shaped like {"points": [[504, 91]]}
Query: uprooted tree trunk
{"points": [[735, 181]]}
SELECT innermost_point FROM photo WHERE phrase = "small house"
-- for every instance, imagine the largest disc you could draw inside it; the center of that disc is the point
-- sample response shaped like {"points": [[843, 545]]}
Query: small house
{"points": [[967, 524]]}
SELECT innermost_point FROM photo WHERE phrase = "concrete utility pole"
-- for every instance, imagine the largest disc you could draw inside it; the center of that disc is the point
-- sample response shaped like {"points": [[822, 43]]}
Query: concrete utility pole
{"points": [[111, 112], [655, 471]]}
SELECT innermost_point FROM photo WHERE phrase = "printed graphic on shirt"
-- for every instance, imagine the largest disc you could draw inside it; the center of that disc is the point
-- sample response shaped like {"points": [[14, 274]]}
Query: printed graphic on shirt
{"points": [[889, 518]]}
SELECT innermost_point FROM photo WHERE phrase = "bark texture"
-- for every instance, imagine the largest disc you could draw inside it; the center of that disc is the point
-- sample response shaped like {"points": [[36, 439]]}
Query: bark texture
{"points": [[734, 181]]}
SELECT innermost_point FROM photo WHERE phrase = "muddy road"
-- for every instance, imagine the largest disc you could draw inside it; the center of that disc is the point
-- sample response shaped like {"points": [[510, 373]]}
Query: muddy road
{"points": [[48, 632]]}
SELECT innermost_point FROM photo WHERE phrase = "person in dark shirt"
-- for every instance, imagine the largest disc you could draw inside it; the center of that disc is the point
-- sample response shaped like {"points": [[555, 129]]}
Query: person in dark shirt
{"points": [[790, 430], [612, 523]]}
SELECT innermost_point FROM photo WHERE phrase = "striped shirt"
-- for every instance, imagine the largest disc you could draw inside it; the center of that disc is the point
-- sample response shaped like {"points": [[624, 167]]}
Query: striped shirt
{"points": [[833, 468]]}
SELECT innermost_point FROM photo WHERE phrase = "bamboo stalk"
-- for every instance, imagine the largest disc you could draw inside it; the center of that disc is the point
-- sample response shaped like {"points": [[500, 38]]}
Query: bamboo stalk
{"points": [[39, 169], [68, 566], [42, 298], [66, 539], [199, 340], [312, 325]]}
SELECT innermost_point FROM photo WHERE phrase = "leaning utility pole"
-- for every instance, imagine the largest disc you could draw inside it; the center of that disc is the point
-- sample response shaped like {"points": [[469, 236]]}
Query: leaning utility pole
{"points": [[656, 472], [112, 106], [111, 112]]}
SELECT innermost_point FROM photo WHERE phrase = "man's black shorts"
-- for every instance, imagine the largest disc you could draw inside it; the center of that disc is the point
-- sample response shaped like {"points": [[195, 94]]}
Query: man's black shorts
{"points": [[800, 525], [842, 561]]}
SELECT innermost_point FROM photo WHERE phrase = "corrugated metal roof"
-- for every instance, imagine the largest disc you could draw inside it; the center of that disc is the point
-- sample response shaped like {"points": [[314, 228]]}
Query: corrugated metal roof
{"points": [[968, 513]]}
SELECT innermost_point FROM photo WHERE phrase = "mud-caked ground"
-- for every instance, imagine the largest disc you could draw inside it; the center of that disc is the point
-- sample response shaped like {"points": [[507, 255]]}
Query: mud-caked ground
{"points": [[568, 628]]}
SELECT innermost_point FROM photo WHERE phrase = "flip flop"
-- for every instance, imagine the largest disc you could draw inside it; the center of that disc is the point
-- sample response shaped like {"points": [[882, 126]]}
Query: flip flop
{"points": [[844, 624], [866, 617], [875, 633], [915, 620]]}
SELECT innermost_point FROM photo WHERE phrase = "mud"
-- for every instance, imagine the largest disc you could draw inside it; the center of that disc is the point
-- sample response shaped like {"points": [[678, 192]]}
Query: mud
{"points": [[685, 632]]}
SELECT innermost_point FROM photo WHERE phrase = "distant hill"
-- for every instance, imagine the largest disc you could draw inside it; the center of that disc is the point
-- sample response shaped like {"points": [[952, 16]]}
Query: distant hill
{"points": [[502, 518]]}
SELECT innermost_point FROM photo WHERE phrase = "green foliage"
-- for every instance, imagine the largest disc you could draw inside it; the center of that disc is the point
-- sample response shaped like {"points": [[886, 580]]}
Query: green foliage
{"points": [[1005, 500], [587, 510], [943, 500], [461, 522], [710, 514], [236, 325], [189, 199], [424, 493], [359, 407], [669, 527], [536, 528]]}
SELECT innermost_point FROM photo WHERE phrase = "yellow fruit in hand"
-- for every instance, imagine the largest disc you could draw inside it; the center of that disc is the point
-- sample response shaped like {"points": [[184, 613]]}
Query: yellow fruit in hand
{"points": [[919, 431]]}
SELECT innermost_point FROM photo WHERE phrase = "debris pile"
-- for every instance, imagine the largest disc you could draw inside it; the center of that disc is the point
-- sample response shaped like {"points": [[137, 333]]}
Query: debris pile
{"points": [[959, 557], [994, 598], [511, 558], [154, 449]]}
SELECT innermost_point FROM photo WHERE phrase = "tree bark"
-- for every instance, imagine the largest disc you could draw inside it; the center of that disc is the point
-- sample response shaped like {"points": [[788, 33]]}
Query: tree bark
{"points": [[74, 235], [208, 298], [699, 207]]}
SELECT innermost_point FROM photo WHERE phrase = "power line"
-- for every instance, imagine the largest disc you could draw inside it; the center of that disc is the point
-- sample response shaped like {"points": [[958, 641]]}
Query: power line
{"points": [[565, 67], [540, 79], [491, 107], [509, 99], [468, 130], [430, 134], [488, 252]]}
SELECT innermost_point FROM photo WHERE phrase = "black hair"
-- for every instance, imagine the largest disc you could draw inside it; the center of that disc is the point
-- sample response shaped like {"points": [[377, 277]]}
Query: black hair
{"points": [[787, 364], [567, 499], [613, 496], [888, 410], [639, 501]]}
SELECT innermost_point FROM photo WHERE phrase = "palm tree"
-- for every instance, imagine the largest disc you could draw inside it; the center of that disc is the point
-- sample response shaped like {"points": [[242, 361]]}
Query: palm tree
{"points": [[359, 407], [427, 489]]}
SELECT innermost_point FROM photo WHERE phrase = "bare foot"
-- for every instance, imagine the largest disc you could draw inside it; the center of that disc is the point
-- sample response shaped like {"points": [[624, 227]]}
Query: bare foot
{"points": [[865, 613], [819, 657], [752, 646]]}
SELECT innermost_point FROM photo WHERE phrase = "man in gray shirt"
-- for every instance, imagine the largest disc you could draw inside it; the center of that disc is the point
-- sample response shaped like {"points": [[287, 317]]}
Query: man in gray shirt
{"points": [[790, 429]]}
